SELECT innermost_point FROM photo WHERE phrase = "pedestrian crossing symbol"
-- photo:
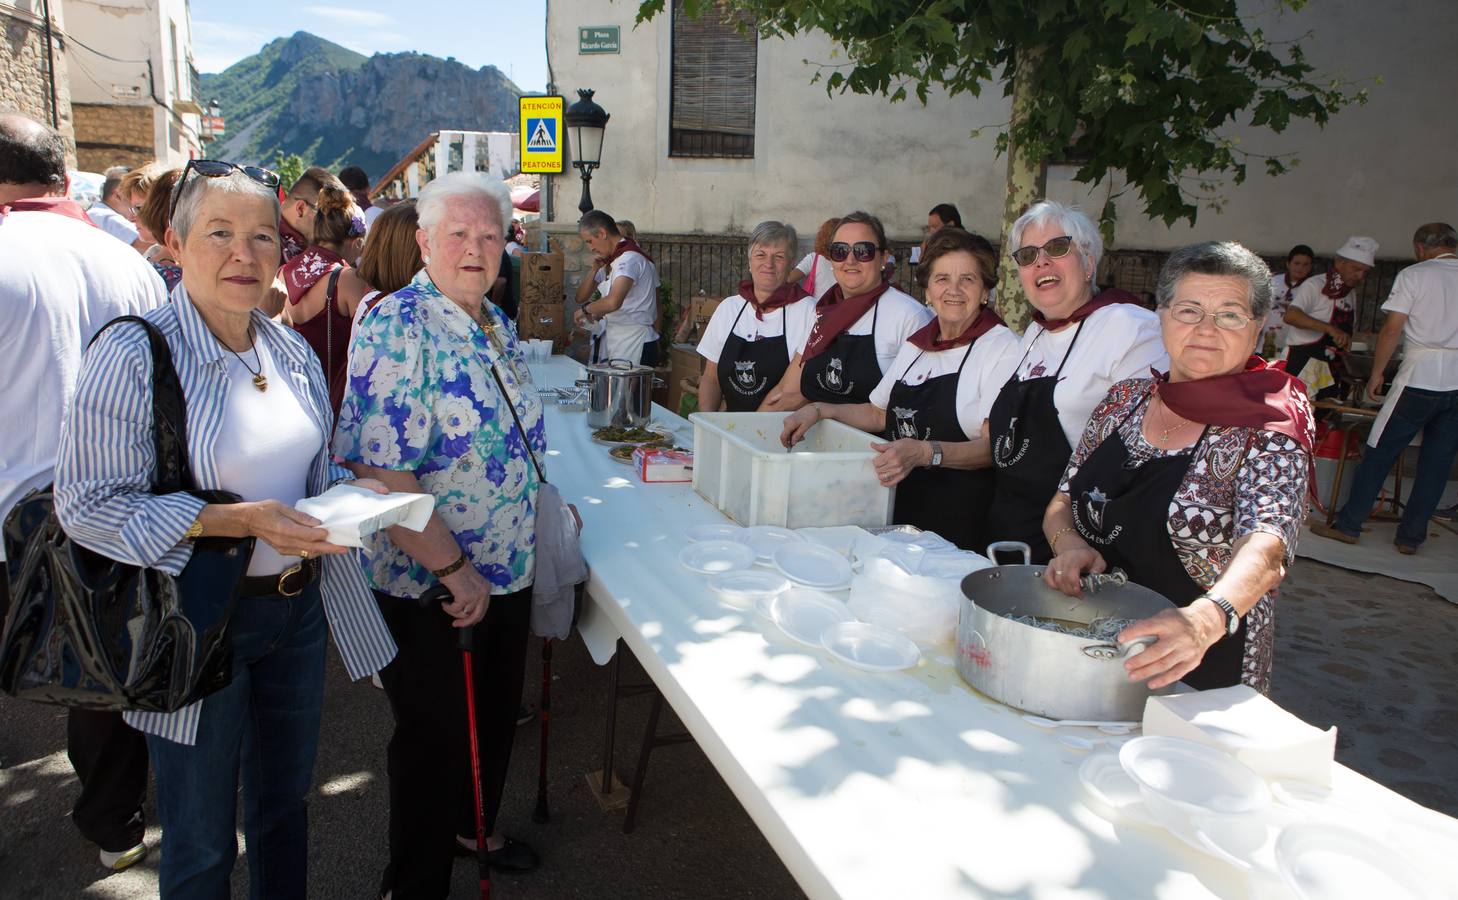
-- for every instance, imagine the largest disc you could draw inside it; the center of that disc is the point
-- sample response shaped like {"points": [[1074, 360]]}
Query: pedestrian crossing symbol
{"points": [[543, 135], [540, 138]]}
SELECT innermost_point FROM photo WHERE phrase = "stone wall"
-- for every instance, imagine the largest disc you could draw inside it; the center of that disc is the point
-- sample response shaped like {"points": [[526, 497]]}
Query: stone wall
{"points": [[24, 81], [113, 135]]}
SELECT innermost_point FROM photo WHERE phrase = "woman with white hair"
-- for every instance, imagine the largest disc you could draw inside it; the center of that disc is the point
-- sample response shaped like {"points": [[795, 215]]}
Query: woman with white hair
{"points": [[1074, 350], [749, 341], [440, 401], [258, 422]]}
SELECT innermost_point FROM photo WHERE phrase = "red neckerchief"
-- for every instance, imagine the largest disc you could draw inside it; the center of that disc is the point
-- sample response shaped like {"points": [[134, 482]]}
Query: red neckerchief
{"points": [[926, 336], [1259, 396], [61, 206], [1104, 298], [292, 241], [834, 313], [626, 245], [1334, 287], [784, 295], [307, 269]]}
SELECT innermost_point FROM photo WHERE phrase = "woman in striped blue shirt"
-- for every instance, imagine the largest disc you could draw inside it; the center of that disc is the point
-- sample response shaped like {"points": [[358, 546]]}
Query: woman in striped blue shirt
{"points": [[257, 425]]}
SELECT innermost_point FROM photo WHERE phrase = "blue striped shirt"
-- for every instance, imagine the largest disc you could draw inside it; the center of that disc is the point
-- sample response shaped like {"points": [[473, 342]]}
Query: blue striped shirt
{"points": [[106, 467]]}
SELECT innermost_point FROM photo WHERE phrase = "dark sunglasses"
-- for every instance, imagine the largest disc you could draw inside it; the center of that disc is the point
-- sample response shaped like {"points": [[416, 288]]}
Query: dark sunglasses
{"points": [[217, 168], [1057, 248], [865, 251]]}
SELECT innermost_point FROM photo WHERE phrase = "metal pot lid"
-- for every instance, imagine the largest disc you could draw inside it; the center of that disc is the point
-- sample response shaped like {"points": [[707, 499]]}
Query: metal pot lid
{"points": [[618, 367]]}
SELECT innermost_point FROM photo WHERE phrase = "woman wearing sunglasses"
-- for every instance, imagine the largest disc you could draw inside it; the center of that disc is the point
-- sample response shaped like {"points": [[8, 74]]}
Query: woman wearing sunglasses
{"points": [[932, 402], [860, 325], [1194, 481], [1074, 350], [258, 423]]}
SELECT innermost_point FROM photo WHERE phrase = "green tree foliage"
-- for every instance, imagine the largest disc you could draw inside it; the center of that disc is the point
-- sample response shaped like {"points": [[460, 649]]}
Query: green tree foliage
{"points": [[289, 167]]}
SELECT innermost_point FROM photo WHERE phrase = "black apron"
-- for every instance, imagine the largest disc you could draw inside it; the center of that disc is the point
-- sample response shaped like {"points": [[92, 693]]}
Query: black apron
{"points": [[951, 502], [1029, 454], [749, 369], [846, 371], [1123, 513]]}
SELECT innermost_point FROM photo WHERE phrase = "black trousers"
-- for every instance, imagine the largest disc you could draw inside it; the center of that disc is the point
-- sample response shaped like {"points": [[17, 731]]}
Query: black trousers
{"points": [[110, 759], [431, 794]]}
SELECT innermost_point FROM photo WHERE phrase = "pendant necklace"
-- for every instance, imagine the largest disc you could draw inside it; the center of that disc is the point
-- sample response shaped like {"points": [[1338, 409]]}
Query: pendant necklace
{"points": [[1166, 430], [260, 380]]}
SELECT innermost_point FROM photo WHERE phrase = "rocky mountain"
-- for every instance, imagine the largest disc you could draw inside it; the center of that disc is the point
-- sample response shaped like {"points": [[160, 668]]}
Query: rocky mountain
{"points": [[334, 107]]}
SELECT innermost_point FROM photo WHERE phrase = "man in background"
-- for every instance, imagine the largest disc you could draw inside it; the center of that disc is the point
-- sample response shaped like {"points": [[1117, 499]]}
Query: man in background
{"points": [[116, 214]]}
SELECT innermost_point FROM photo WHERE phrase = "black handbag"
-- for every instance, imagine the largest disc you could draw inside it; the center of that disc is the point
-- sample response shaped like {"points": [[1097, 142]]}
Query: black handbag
{"points": [[84, 630]]}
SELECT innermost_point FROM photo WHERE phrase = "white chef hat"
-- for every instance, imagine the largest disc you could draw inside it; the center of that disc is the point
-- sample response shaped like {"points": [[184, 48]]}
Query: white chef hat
{"points": [[1359, 249]]}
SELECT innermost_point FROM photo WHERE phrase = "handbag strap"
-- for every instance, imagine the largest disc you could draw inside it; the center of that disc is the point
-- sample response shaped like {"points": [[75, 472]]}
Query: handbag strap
{"points": [[330, 295], [526, 442], [169, 411]]}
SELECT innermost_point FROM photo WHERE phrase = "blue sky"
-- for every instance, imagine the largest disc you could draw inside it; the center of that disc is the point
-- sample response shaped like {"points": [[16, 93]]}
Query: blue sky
{"points": [[506, 35]]}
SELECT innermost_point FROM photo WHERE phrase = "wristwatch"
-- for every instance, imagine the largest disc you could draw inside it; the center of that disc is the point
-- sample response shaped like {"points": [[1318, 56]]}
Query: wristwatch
{"points": [[1232, 618], [936, 459]]}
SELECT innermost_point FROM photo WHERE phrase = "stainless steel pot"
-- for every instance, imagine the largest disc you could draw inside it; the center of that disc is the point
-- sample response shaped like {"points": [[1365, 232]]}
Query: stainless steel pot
{"points": [[1044, 672], [619, 395]]}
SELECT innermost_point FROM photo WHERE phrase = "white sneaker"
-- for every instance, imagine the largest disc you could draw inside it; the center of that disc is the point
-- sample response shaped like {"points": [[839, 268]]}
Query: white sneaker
{"points": [[125, 859]]}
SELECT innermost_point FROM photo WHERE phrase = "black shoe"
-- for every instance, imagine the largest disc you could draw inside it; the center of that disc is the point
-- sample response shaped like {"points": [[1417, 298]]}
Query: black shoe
{"points": [[514, 856]]}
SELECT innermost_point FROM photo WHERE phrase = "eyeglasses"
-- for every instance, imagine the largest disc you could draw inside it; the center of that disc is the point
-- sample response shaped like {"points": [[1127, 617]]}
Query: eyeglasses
{"points": [[1057, 248], [1191, 314], [217, 168], [865, 251]]}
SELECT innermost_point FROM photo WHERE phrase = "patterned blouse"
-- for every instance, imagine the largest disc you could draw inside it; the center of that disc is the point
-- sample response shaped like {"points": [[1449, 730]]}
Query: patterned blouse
{"points": [[1240, 480], [421, 398]]}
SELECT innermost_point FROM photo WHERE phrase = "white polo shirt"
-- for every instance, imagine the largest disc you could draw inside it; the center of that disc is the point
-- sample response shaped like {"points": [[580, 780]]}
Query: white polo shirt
{"points": [[61, 280], [1427, 293], [1309, 299], [977, 385], [640, 307], [736, 316], [113, 223], [824, 273]]}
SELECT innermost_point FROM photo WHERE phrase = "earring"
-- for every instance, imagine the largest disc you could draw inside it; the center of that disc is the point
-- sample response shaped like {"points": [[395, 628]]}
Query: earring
{"points": [[425, 259]]}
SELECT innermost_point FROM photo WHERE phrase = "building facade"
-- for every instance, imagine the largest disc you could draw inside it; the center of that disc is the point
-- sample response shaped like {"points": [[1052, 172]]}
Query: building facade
{"points": [[709, 135], [33, 79], [134, 87]]}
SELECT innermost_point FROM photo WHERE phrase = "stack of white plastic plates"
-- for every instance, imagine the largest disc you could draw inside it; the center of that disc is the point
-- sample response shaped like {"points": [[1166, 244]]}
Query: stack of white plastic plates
{"points": [[1321, 861], [766, 539], [813, 566], [713, 557], [870, 647], [748, 587], [804, 614]]}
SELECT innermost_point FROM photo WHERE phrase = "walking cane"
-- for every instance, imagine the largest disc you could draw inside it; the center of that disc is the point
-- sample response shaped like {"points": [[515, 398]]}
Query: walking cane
{"points": [[540, 814], [465, 640]]}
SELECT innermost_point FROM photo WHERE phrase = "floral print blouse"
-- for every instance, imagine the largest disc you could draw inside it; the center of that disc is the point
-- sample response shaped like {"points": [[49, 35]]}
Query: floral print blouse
{"points": [[421, 398], [1240, 480]]}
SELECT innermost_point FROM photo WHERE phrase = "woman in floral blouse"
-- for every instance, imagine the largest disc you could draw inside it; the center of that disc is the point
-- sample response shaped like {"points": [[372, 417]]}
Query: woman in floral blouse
{"points": [[1194, 481], [434, 376]]}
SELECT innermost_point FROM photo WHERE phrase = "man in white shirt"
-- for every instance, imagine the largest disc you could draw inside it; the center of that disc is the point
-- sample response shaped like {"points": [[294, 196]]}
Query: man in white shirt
{"points": [[628, 305], [116, 214], [1422, 309], [1323, 309], [61, 280]]}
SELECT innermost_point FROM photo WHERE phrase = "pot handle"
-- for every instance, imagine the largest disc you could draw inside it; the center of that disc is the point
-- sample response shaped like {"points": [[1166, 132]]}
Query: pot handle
{"points": [[1118, 651], [1011, 547], [1093, 583]]}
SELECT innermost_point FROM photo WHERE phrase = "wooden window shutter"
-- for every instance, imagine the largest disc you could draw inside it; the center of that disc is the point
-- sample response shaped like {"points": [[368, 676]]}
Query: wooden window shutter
{"points": [[713, 84]]}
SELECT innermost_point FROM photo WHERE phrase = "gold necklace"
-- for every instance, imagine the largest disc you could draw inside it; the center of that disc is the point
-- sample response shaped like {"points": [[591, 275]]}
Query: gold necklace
{"points": [[1165, 413], [260, 380]]}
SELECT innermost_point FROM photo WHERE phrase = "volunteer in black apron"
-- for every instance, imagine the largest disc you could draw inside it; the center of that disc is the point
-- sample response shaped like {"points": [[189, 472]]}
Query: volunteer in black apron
{"points": [[860, 325], [1077, 345], [1193, 482], [1322, 313], [747, 343], [931, 403]]}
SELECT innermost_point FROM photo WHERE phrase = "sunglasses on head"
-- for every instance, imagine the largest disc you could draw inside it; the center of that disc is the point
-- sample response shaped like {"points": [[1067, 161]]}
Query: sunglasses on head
{"points": [[1057, 248], [864, 251], [217, 168]]}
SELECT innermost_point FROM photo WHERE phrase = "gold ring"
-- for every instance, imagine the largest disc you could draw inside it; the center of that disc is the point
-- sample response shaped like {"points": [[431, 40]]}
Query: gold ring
{"points": [[303, 554]]}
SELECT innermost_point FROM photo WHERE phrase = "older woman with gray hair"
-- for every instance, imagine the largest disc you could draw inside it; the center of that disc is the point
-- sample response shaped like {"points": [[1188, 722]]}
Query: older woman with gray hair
{"points": [[1194, 481], [752, 336], [258, 421], [1076, 348], [440, 401]]}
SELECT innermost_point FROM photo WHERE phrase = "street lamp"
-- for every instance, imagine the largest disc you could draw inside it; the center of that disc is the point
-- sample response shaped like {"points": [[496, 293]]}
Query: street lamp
{"points": [[587, 121]]}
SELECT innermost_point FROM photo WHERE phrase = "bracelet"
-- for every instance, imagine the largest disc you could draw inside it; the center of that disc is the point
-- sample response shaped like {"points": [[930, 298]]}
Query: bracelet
{"points": [[452, 568], [1053, 543]]}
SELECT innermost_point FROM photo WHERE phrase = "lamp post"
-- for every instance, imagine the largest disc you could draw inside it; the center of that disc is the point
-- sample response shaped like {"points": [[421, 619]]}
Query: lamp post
{"points": [[587, 122]]}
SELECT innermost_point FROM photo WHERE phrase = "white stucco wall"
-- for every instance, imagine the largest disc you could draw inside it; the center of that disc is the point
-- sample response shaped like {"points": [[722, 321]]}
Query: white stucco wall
{"points": [[1380, 170]]}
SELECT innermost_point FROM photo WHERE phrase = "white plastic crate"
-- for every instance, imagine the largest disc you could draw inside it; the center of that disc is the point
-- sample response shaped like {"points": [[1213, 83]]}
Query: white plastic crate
{"points": [[741, 467]]}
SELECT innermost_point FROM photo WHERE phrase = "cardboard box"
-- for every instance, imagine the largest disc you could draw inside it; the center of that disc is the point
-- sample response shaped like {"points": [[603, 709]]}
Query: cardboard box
{"points": [[663, 466], [542, 279], [702, 310], [684, 362], [544, 321]]}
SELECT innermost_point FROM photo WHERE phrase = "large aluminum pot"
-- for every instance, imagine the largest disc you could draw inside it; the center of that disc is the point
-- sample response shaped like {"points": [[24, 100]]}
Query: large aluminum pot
{"points": [[619, 395], [1044, 672]]}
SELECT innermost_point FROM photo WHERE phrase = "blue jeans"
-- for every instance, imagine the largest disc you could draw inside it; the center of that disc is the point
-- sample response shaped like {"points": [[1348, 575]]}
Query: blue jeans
{"points": [[264, 724], [1435, 414]]}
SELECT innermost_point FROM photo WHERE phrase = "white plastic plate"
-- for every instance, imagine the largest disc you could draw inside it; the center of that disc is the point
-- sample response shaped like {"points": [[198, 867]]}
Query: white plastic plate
{"points": [[714, 531], [869, 647], [714, 557], [1321, 861], [1247, 842], [1107, 782], [812, 565], [1196, 778], [766, 539], [746, 588], [805, 614]]}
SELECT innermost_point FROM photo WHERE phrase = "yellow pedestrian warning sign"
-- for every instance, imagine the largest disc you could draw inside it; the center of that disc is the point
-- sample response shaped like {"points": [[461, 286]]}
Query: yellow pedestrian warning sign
{"points": [[540, 127]]}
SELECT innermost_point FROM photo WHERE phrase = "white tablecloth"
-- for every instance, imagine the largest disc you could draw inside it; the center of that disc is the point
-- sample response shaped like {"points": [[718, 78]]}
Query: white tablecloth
{"points": [[878, 786]]}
